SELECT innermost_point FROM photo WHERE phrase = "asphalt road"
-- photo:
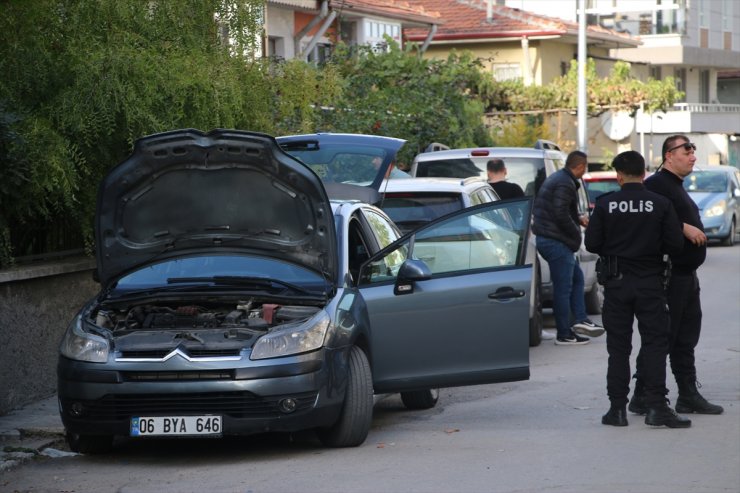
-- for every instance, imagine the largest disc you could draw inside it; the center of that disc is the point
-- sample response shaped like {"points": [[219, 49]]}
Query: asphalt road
{"points": [[542, 435]]}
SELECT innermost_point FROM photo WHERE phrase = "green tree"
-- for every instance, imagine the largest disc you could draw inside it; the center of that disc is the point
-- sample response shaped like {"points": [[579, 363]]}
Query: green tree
{"points": [[82, 80], [401, 94]]}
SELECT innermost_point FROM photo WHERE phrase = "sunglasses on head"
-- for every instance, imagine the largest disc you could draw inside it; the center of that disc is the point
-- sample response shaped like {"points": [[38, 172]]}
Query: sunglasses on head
{"points": [[687, 146]]}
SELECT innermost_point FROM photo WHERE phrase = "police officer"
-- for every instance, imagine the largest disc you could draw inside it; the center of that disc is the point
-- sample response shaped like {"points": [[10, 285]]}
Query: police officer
{"points": [[631, 230], [683, 290]]}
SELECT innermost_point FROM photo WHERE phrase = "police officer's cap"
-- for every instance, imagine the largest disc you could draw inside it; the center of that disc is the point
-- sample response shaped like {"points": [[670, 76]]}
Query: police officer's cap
{"points": [[630, 163]]}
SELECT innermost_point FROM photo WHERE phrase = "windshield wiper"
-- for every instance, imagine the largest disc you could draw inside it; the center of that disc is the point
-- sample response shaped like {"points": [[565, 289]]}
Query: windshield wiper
{"points": [[258, 282]]}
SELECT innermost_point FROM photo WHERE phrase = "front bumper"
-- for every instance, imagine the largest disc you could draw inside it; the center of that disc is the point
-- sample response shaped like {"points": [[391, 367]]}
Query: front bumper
{"points": [[97, 401]]}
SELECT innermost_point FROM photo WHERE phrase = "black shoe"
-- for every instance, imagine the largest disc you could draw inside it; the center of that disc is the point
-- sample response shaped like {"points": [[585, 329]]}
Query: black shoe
{"points": [[572, 340], [691, 401], [616, 416], [662, 415], [637, 403], [588, 328]]}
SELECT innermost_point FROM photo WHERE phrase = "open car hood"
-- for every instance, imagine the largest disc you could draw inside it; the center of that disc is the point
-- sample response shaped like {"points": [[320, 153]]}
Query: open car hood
{"points": [[187, 192], [351, 166]]}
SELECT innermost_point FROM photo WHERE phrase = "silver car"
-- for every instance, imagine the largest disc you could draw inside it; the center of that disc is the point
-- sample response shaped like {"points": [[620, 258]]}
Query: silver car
{"points": [[716, 191], [238, 298], [528, 168]]}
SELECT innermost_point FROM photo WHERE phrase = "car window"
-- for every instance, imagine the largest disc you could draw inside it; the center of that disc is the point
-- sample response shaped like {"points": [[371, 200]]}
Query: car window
{"points": [[481, 237], [705, 182], [385, 234], [156, 275], [482, 196], [418, 208], [527, 172], [596, 189]]}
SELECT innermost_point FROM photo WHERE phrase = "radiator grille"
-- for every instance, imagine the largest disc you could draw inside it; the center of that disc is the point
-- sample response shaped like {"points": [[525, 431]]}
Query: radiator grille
{"points": [[234, 404]]}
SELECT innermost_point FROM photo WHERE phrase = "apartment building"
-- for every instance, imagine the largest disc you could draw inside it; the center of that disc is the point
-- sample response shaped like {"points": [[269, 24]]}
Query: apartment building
{"points": [[307, 29], [697, 42]]}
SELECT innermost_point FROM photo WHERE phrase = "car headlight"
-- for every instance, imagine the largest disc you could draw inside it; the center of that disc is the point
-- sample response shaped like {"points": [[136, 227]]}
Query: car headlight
{"points": [[293, 339], [718, 209], [80, 345]]}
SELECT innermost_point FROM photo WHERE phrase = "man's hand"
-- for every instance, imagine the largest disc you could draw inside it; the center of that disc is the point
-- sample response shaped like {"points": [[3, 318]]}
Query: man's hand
{"points": [[694, 235], [583, 219]]}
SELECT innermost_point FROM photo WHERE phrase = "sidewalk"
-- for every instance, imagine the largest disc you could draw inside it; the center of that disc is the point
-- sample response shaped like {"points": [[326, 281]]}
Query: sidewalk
{"points": [[35, 429]]}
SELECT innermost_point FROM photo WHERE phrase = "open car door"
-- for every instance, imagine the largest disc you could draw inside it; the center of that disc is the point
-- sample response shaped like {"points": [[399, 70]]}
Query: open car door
{"points": [[449, 303]]}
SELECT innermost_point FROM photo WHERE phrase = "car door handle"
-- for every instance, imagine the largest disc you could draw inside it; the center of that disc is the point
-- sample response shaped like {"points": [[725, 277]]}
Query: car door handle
{"points": [[506, 293]]}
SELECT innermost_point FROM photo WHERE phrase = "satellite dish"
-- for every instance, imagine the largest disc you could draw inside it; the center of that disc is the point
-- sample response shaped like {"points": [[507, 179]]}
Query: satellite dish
{"points": [[617, 125]]}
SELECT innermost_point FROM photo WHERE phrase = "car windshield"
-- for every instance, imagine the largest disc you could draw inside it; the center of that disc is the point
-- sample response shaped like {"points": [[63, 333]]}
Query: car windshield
{"points": [[597, 188], [178, 273], [344, 163], [528, 173], [705, 182]]}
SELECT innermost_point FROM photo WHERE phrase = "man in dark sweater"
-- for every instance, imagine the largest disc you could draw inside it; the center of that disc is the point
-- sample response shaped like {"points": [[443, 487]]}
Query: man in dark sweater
{"points": [[684, 303], [497, 179]]}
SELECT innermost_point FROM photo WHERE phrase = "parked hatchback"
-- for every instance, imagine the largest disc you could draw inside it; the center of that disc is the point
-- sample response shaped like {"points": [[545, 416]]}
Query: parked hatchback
{"points": [[716, 191], [237, 298], [413, 203]]}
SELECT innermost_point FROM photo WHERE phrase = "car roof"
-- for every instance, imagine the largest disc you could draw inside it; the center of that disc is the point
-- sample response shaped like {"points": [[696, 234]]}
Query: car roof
{"points": [[600, 175], [489, 152], [717, 169], [459, 185]]}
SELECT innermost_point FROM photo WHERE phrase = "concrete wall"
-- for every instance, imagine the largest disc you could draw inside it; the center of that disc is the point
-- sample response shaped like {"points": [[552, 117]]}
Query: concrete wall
{"points": [[36, 305]]}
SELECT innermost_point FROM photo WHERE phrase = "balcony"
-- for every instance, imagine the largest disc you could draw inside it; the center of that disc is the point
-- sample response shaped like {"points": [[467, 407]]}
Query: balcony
{"points": [[687, 118]]}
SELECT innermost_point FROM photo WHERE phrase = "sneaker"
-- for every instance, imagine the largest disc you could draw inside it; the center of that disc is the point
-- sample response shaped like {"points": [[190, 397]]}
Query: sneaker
{"points": [[571, 340], [547, 335], [588, 328]]}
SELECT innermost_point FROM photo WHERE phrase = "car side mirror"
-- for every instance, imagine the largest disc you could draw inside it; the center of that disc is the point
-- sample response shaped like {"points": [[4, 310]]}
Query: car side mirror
{"points": [[411, 271]]}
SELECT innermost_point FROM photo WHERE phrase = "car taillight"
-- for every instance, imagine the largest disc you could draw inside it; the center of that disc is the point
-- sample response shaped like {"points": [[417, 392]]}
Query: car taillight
{"points": [[479, 152]]}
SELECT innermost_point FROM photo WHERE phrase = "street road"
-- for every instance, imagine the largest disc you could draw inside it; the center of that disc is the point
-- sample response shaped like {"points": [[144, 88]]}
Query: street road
{"points": [[542, 435]]}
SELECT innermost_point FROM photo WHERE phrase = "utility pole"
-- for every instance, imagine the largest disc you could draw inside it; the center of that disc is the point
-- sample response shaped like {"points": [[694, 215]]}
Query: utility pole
{"points": [[582, 139]]}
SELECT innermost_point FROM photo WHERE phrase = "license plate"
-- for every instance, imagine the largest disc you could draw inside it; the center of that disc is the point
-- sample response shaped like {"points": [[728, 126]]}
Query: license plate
{"points": [[175, 425]]}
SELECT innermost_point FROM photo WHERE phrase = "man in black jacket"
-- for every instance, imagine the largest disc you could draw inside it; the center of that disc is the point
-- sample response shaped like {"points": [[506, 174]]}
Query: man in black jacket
{"points": [[631, 230], [558, 228], [683, 289]]}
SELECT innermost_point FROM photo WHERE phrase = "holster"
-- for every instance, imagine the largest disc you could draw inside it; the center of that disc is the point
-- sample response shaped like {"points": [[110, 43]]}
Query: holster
{"points": [[607, 267]]}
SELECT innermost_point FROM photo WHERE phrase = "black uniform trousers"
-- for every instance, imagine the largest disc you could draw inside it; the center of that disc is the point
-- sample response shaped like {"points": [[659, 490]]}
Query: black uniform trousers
{"points": [[684, 304], [625, 298]]}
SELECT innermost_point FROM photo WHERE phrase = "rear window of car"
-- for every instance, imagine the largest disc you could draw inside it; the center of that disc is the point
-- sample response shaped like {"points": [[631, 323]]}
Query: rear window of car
{"points": [[528, 173], [405, 208], [597, 188]]}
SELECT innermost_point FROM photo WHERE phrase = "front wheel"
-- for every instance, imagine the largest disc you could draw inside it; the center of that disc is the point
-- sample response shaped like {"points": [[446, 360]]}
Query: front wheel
{"points": [[420, 399], [730, 240], [353, 425]]}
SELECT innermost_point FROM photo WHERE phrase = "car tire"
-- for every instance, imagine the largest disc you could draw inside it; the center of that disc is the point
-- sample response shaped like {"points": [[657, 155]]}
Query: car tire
{"points": [[535, 321], [353, 425], [730, 240], [594, 299], [89, 444], [420, 399]]}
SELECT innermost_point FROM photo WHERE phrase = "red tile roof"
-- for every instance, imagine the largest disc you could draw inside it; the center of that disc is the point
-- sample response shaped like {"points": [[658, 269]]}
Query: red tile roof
{"points": [[466, 19], [395, 9]]}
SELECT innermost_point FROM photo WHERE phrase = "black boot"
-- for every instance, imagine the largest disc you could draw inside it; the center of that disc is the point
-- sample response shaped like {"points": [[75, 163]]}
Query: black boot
{"points": [[637, 403], [616, 416], [662, 415], [691, 401]]}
